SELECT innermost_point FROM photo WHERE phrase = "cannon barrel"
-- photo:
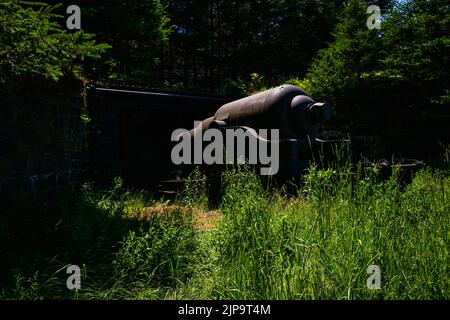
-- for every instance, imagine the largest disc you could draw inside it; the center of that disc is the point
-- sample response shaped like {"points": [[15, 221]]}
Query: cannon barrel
{"points": [[287, 108]]}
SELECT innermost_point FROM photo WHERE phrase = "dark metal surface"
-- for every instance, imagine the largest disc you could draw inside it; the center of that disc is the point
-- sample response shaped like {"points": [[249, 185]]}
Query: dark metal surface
{"points": [[286, 108]]}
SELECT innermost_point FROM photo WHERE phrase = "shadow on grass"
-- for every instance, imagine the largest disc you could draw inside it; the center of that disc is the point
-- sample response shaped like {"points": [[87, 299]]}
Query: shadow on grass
{"points": [[102, 233]]}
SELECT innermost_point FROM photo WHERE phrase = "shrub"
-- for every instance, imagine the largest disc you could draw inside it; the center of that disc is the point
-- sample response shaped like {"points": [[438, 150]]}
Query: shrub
{"points": [[34, 44], [160, 254]]}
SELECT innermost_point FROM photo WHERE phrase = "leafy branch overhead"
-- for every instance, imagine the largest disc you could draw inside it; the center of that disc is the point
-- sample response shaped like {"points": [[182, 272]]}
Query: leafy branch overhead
{"points": [[406, 60], [32, 42]]}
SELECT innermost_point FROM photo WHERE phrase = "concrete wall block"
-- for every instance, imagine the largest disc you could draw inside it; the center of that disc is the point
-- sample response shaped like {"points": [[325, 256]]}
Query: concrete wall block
{"points": [[42, 140]]}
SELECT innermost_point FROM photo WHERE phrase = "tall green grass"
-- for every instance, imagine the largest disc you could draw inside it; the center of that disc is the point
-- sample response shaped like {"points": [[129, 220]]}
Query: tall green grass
{"points": [[123, 253], [317, 244], [320, 244]]}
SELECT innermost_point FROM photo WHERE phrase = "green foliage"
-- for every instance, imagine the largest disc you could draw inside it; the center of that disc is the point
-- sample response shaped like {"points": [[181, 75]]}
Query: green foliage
{"points": [[405, 63], [256, 83], [158, 255], [249, 85], [319, 247], [337, 70], [216, 45], [122, 252], [417, 41], [33, 43], [102, 217], [194, 192], [305, 84], [24, 288], [318, 184], [136, 38], [316, 245]]}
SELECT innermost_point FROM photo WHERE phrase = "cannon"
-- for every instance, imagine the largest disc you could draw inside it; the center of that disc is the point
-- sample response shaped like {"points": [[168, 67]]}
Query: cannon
{"points": [[287, 109], [297, 119]]}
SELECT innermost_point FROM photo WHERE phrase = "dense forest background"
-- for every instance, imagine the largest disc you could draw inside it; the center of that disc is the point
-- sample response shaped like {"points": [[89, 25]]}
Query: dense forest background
{"points": [[235, 47], [397, 75]]}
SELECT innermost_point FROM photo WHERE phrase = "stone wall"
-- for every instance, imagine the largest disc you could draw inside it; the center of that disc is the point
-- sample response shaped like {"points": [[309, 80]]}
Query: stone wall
{"points": [[42, 137]]}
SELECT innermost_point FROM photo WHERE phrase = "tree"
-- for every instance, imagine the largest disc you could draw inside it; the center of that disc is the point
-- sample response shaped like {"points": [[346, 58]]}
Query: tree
{"points": [[395, 80], [32, 43], [405, 64], [339, 71], [417, 42], [217, 45], [137, 31]]}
